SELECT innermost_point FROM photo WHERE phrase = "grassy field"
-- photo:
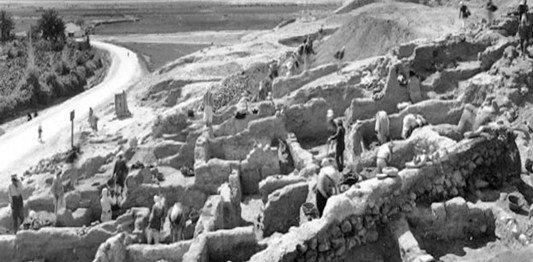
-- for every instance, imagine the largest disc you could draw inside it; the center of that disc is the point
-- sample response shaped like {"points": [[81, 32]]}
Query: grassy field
{"points": [[157, 55], [167, 17]]}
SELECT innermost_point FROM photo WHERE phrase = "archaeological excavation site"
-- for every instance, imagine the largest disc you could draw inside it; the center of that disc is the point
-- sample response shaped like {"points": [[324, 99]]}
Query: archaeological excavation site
{"points": [[419, 148]]}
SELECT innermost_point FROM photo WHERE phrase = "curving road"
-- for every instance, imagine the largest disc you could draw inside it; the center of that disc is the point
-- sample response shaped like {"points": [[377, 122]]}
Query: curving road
{"points": [[20, 148]]}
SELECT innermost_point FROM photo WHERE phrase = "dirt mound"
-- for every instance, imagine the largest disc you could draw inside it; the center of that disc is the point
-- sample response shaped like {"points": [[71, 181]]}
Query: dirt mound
{"points": [[376, 28]]}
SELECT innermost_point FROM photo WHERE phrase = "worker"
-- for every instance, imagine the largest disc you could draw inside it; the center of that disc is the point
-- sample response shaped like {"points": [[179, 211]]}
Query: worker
{"points": [[16, 200], [120, 172], [491, 8], [208, 107], [524, 34], [327, 184], [384, 156], [106, 201], [382, 127], [156, 220], [58, 192], [413, 87], [339, 55], [340, 145], [464, 13], [40, 133]]}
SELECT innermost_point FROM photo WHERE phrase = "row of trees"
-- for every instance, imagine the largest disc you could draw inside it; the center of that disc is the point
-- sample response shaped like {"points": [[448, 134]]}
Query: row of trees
{"points": [[50, 26]]}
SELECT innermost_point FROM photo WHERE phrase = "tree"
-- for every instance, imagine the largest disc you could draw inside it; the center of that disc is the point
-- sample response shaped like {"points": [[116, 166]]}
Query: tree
{"points": [[51, 26], [6, 25]]}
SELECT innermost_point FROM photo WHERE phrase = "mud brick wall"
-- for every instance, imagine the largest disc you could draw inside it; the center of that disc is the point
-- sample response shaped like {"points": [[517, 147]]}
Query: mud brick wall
{"points": [[352, 218]]}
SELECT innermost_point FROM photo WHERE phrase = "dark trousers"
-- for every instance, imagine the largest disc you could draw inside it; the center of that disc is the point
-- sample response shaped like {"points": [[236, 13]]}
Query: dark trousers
{"points": [[17, 211], [320, 202], [339, 158]]}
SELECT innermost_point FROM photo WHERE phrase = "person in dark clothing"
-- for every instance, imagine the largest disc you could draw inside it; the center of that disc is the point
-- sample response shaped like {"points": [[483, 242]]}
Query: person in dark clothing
{"points": [[16, 201], [156, 220], [340, 146], [120, 172], [464, 13], [29, 117], [522, 10]]}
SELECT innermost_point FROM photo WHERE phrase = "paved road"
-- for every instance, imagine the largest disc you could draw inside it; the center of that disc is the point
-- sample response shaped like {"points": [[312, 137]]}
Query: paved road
{"points": [[19, 147]]}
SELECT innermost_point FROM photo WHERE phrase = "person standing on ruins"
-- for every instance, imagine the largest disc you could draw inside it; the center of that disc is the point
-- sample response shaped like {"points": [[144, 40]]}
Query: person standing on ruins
{"points": [[339, 55], [308, 51], [106, 201], [156, 220], [16, 201], [382, 127], [491, 8], [524, 34], [384, 156], [208, 107], [413, 87], [326, 185], [464, 13], [120, 171], [522, 10], [58, 192], [340, 146]]}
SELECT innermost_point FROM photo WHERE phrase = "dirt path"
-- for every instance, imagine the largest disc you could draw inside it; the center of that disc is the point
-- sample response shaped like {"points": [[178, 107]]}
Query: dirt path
{"points": [[20, 146]]}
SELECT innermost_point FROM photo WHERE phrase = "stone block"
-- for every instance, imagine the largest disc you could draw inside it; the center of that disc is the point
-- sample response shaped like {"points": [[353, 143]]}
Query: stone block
{"points": [[81, 217], [273, 183], [72, 200]]}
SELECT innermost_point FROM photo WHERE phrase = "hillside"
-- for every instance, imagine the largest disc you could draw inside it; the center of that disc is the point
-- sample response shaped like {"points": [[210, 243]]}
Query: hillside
{"points": [[34, 78]]}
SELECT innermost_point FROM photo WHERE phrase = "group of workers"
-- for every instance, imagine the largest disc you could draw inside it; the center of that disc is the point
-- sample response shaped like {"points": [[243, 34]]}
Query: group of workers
{"points": [[464, 12]]}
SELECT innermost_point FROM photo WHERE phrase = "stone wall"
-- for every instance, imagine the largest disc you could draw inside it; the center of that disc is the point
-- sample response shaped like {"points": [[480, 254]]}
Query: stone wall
{"points": [[153, 253], [273, 183], [351, 219], [53, 244], [301, 157], [453, 219], [237, 244]]}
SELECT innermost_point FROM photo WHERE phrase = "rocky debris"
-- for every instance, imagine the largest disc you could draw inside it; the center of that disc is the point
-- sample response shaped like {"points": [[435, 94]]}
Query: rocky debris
{"points": [[261, 162], [211, 216], [273, 183], [283, 208], [308, 121], [81, 217], [283, 86], [171, 123]]}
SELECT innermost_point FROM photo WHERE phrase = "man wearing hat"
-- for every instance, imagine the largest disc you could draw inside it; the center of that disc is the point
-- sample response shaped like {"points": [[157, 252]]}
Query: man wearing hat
{"points": [[16, 201], [120, 171]]}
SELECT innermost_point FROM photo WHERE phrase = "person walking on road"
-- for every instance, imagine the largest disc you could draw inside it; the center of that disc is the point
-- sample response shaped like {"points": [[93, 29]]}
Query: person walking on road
{"points": [[16, 201], [40, 133]]}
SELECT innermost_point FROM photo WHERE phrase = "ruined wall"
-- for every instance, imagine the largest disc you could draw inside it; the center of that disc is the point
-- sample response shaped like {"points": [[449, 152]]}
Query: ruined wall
{"points": [[283, 86], [153, 253], [301, 157], [53, 244], [434, 111], [238, 244], [351, 219], [308, 121], [453, 219], [282, 210], [143, 196], [233, 126], [236, 147], [364, 108]]}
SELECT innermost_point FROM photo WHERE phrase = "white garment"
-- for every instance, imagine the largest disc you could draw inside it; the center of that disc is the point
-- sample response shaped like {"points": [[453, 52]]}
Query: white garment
{"points": [[106, 202], [382, 126], [332, 173]]}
